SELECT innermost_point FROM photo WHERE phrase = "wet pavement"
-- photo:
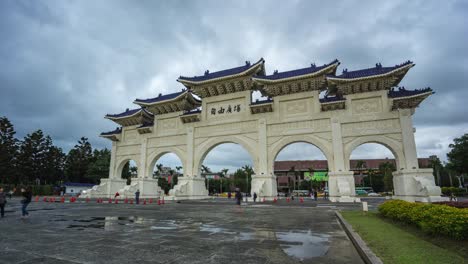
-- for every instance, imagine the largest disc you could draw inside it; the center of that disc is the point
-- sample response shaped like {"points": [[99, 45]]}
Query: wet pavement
{"points": [[214, 231]]}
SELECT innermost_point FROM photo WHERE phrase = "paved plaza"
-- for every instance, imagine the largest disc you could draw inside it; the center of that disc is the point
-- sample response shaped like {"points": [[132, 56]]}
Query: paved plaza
{"points": [[214, 231]]}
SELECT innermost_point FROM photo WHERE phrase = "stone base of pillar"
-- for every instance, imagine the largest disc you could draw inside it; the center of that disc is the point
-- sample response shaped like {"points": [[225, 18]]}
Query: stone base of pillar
{"points": [[106, 189], [189, 188], [148, 188], [341, 187], [416, 185], [264, 186]]}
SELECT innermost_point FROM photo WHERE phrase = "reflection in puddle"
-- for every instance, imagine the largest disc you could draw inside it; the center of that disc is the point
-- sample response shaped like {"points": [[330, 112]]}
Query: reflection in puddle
{"points": [[215, 230], [302, 244], [166, 225]]}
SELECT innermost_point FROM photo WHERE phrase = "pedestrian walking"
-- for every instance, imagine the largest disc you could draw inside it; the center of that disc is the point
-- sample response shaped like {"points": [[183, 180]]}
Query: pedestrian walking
{"points": [[238, 197], [255, 197], [27, 196], [137, 196], [2, 202], [315, 195], [10, 194]]}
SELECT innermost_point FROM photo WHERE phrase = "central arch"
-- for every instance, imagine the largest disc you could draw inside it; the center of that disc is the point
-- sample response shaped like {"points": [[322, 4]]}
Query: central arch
{"points": [[317, 142], [204, 148]]}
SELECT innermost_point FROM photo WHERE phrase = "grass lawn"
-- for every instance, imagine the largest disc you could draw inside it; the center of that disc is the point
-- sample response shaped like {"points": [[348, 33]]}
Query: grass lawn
{"points": [[395, 243]]}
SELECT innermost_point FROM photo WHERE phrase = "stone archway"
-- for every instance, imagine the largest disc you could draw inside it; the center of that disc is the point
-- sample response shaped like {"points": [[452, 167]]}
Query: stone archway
{"points": [[391, 144], [121, 164], [207, 146], [158, 153]]}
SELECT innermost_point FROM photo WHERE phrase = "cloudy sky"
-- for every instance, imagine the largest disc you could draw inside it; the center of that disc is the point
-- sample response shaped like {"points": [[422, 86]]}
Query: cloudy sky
{"points": [[65, 64]]}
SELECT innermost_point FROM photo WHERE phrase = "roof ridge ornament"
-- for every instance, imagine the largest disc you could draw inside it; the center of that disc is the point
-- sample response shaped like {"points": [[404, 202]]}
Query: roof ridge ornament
{"points": [[128, 109], [160, 94], [275, 72], [313, 66], [207, 72], [247, 63], [345, 70], [378, 65]]}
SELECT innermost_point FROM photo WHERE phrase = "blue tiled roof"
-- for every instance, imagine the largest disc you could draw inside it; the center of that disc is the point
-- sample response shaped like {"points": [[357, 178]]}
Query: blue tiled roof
{"points": [[218, 74], [377, 70], [113, 132], [160, 98], [331, 99], [78, 184], [402, 92], [127, 112], [288, 74], [265, 101]]}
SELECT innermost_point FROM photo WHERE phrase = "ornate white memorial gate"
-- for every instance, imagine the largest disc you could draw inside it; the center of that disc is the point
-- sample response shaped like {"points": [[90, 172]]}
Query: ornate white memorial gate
{"points": [[360, 107]]}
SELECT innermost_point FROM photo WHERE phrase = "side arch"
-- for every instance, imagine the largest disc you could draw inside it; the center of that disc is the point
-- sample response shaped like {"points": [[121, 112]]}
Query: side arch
{"points": [[322, 145], [121, 163], [158, 153], [394, 146], [202, 150]]}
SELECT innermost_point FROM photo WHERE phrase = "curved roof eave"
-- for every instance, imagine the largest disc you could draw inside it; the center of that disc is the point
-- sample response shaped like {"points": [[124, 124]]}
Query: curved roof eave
{"points": [[255, 66], [266, 81], [336, 78]]}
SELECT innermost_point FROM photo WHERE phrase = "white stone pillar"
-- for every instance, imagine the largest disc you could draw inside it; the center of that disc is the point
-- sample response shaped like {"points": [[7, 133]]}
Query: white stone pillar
{"points": [[112, 173], [191, 186], [340, 180], [409, 144], [142, 170], [412, 183], [264, 181]]}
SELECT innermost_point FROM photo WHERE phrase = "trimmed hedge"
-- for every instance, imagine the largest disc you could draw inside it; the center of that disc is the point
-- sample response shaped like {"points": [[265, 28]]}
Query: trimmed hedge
{"points": [[455, 190], [432, 219]]}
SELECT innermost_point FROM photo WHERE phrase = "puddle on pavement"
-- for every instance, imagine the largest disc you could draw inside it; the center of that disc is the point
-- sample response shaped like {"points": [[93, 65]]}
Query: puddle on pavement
{"points": [[303, 244], [212, 229], [106, 223]]}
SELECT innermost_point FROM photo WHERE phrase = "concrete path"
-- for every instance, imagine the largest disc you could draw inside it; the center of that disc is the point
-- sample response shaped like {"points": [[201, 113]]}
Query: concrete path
{"points": [[187, 232]]}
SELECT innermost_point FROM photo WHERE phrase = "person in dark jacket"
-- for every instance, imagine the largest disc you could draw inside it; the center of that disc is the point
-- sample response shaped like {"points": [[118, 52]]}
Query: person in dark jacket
{"points": [[2, 202], [27, 196], [137, 196], [238, 197], [255, 197]]}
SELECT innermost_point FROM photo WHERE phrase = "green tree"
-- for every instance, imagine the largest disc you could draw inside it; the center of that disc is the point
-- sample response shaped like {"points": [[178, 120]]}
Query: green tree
{"points": [[361, 165], [458, 155], [387, 169], [99, 166], [32, 158], [162, 182], [8, 151], [78, 160]]}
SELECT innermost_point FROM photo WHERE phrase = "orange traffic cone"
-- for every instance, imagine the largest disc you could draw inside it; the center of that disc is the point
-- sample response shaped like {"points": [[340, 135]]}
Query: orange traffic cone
{"points": [[301, 200], [45, 199], [159, 201], [151, 200], [163, 200], [62, 200], [37, 198], [263, 200], [87, 200], [287, 199], [116, 201], [144, 202], [126, 201], [274, 200], [131, 201], [110, 200]]}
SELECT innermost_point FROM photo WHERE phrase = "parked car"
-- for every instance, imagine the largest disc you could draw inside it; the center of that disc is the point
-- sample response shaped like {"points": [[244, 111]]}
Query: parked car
{"points": [[361, 192], [373, 194]]}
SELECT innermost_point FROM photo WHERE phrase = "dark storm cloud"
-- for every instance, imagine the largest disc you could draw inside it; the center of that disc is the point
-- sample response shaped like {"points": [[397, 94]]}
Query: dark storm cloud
{"points": [[65, 64]]}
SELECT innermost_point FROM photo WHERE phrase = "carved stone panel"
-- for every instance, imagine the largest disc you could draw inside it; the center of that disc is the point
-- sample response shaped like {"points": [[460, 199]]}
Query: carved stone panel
{"points": [[309, 126], [295, 108], [167, 126], [367, 106], [131, 135], [371, 127], [226, 129]]}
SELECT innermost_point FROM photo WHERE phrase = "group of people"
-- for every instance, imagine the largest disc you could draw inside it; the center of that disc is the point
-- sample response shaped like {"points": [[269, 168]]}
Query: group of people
{"points": [[27, 197]]}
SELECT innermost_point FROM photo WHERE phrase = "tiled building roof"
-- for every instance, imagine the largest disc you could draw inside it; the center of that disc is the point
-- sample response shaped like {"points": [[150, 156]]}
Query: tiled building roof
{"points": [[402, 92], [377, 70], [288, 74]]}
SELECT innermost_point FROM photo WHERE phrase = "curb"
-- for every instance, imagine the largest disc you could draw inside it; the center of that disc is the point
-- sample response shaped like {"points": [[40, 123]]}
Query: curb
{"points": [[364, 251]]}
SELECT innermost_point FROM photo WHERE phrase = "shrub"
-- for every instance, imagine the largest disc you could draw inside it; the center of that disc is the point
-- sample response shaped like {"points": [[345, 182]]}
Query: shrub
{"points": [[455, 190], [433, 219], [459, 204]]}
